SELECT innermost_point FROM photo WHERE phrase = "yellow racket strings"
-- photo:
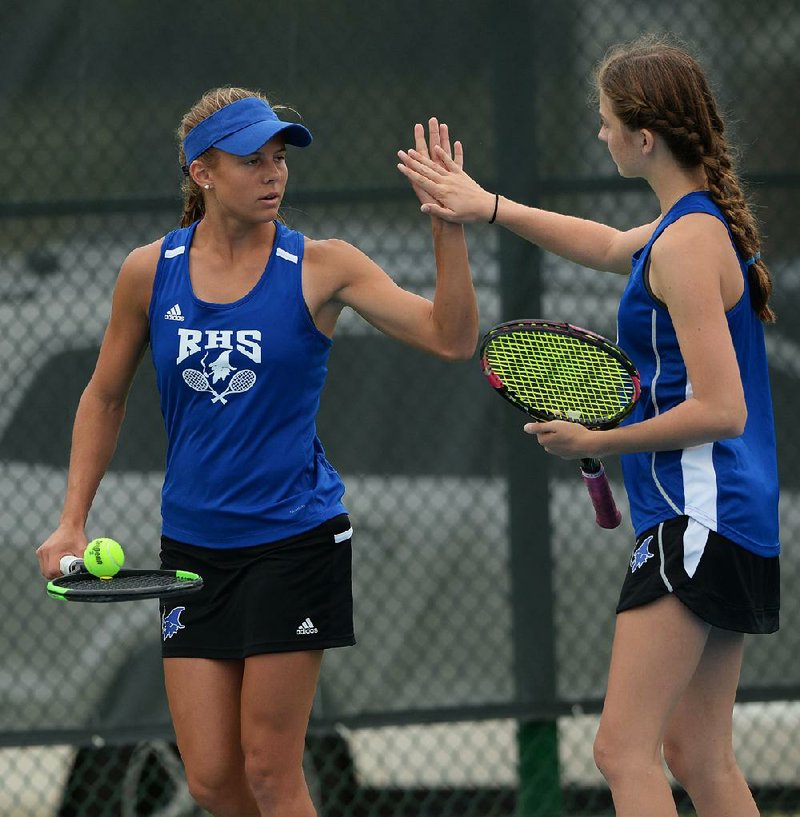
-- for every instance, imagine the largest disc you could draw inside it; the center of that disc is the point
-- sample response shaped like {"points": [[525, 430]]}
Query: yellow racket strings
{"points": [[561, 375]]}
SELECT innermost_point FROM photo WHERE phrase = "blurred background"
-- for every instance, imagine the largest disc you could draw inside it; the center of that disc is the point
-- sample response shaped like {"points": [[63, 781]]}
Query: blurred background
{"points": [[485, 593]]}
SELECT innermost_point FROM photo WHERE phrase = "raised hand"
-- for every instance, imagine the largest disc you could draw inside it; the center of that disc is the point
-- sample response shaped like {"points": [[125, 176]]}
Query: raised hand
{"points": [[438, 137], [438, 178]]}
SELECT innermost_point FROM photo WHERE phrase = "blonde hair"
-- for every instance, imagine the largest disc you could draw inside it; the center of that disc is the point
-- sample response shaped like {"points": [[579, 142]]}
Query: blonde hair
{"points": [[194, 206], [654, 84]]}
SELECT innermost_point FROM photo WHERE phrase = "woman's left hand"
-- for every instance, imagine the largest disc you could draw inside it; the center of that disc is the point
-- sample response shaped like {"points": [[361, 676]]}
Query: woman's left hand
{"points": [[438, 137], [569, 441]]}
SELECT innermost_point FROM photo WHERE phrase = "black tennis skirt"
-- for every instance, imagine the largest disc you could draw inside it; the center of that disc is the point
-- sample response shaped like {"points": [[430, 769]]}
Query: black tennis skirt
{"points": [[722, 583], [294, 594]]}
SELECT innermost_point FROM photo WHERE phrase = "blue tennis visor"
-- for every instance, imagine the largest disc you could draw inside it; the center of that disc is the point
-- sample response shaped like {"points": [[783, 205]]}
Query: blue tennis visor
{"points": [[241, 128]]}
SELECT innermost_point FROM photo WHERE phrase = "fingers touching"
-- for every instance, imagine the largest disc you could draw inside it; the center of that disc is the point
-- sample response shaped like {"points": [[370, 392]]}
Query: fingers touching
{"points": [[435, 169], [438, 139]]}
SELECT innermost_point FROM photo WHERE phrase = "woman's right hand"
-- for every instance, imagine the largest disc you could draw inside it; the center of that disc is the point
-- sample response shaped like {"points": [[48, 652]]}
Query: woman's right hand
{"points": [[63, 541], [438, 137], [443, 188]]}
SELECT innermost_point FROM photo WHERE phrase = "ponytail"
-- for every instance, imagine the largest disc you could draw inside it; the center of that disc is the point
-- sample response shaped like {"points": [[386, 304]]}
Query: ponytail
{"points": [[194, 205], [727, 193], [760, 281]]}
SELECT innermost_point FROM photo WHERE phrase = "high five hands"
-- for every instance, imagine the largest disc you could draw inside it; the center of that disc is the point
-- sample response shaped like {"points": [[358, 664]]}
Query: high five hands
{"points": [[437, 176]]}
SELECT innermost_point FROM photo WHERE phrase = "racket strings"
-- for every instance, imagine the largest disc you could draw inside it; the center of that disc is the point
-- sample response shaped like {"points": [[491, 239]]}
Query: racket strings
{"points": [[129, 582], [562, 376]]}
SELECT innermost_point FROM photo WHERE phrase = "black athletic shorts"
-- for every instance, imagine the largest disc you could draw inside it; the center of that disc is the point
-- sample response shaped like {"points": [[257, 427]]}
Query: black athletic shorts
{"points": [[721, 582], [293, 594]]}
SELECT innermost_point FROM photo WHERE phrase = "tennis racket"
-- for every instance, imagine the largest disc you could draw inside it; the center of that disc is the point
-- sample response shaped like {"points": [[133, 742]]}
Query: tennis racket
{"points": [[557, 371], [77, 584]]}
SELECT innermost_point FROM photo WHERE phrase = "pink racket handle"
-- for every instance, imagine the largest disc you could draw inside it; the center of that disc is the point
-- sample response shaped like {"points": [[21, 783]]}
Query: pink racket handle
{"points": [[607, 514]]}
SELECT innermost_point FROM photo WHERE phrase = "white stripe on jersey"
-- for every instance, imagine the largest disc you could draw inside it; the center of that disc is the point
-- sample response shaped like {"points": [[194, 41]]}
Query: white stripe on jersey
{"points": [[700, 479], [654, 398], [281, 253]]}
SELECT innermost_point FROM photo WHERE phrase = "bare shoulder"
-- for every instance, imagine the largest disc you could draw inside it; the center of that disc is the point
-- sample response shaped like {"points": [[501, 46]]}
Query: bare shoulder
{"points": [[699, 235], [138, 272], [143, 260], [331, 253], [330, 265], [694, 258]]}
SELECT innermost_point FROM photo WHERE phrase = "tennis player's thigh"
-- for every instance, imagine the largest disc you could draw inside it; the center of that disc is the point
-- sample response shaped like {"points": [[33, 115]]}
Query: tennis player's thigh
{"points": [[277, 695], [656, 650], [701, 726], [204, 701]]}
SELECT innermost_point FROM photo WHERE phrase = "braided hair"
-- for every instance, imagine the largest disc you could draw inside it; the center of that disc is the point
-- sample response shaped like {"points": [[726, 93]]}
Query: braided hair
{"points": [[656, 85]]}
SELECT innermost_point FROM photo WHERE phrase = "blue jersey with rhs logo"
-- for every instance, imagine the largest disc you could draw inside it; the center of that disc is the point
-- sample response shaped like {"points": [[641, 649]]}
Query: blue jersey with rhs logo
{"points": [[240, 387], [730, 486]]}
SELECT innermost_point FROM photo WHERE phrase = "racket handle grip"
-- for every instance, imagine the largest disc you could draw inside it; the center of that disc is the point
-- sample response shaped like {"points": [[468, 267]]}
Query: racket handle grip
{"points": [[70, 564], [607, 514]]}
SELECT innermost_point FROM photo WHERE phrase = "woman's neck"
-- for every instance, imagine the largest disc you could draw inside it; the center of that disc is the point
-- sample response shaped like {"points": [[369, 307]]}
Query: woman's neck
{"points": [[232, 237], [672, 186]]}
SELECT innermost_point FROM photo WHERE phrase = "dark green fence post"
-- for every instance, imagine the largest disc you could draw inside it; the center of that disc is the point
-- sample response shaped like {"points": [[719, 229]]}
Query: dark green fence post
{"points": [[539, 788]]}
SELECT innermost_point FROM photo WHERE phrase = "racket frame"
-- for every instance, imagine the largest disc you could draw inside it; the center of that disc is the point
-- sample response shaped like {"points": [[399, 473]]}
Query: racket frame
{"points": [[570, 330], [112, 589]]}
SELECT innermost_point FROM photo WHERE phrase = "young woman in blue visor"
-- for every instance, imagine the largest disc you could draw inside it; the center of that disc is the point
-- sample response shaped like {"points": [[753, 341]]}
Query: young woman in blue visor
{"points": [[239, 312]]}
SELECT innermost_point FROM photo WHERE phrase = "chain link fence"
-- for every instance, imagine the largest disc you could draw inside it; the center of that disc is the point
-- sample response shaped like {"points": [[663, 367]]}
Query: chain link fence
{"points": [[484, 615]]}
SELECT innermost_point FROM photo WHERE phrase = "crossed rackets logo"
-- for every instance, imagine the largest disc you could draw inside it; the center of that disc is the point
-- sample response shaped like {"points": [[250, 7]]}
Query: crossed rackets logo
{"points": [[201, 381]]}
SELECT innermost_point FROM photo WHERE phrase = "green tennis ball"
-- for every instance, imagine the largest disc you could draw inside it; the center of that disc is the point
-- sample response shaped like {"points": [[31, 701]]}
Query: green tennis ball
{"points": [[103, 557]]}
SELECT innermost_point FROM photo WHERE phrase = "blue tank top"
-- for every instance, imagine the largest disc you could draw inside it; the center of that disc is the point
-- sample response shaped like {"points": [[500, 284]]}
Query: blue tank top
{"points": [[240, 387], [730, 486]]}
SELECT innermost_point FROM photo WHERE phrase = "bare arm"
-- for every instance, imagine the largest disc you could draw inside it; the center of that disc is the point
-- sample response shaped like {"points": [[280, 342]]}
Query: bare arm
{"points": [[588, 243], [459, 198], [102, 406], [695, 273], [446, 326]]}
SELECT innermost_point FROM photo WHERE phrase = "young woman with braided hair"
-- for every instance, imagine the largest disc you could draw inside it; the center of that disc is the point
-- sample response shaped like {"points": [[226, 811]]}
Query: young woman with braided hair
{"points": [[698, 454]]}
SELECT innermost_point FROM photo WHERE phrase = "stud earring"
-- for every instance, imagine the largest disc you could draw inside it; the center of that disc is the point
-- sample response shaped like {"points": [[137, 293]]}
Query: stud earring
{"points": [[207, 186]]}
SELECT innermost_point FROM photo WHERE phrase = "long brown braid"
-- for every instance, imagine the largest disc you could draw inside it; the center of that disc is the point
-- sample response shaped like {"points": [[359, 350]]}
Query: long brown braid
{"points": [[654, 84], [194, 206]]}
